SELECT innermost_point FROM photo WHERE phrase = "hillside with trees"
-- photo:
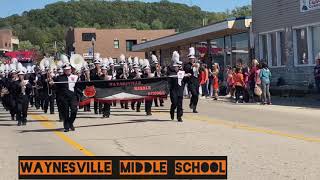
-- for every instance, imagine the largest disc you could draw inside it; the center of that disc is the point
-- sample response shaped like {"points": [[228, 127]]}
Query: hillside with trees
{"points": [[41, 27]]}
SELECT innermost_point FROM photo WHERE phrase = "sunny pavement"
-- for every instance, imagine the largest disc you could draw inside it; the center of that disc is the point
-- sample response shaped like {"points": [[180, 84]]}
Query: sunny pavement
{"points": [[261, 142]]}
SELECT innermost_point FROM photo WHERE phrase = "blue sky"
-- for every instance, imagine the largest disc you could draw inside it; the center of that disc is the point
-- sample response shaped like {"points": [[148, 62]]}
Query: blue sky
{"points": [[9, 7]]}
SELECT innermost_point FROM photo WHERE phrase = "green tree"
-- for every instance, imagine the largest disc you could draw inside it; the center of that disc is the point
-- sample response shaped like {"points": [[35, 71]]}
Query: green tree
{"points": [[141, 26], [27, 45], [156, 24]]}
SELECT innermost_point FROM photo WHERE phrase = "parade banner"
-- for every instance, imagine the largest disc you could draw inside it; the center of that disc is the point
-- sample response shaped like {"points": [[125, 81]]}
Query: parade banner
{"points": [[123, 167], [122, 90]]}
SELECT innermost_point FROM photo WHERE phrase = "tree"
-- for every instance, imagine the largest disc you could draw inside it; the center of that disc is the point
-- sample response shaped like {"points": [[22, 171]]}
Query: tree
{"points": [[27, 45], [156, 24], [141, 26]]}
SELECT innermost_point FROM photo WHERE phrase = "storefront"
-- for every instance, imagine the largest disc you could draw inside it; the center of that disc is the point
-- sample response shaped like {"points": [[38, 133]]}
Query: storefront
{"points": [[226, 43]]}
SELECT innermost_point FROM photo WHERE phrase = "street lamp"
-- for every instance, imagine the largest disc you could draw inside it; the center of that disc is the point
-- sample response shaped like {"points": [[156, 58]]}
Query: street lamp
{"points": [[93, 42]]}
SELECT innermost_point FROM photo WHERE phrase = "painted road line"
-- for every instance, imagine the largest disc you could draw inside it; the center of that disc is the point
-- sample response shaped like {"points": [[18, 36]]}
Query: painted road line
{"points": [[44, 121], [244, 127], [250, 128]]}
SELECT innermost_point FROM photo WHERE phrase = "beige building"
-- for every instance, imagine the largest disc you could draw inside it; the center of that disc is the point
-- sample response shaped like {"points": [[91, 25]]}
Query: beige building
{"points": [[110, 42], [8, 42]]}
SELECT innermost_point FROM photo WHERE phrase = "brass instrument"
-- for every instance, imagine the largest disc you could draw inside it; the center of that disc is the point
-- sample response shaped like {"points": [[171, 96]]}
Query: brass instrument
{"points": [[4, 91], [23, 85]]}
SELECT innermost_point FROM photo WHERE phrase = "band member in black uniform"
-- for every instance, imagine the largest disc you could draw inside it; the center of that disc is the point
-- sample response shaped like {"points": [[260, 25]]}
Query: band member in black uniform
{"points": [[13, 78], [113, 73], [135, 74], [85, 76], [41, 90], [48, 92], [4, 90], [38, 90], [21, 89], [176, 87], [106, 105], [68, 94], [193, 83], [32, 80], [59, 96], [95, 75], [156, 69], [148, 102], [122, 73]]}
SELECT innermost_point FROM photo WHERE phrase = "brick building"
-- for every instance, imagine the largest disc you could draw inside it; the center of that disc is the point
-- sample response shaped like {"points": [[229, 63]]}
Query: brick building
{"points": [[8, 42], [110, 42]]}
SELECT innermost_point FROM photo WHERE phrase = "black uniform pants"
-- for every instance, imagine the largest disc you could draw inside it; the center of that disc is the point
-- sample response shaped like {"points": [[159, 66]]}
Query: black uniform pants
{"points": [[22, 108], [124, 104], [193, 88], [48, 101], [176, 103], [59, 106], [97, 107], [148, 105], [12, 106], [69, 107], [106, 109], [138, 105], [156, 101]]}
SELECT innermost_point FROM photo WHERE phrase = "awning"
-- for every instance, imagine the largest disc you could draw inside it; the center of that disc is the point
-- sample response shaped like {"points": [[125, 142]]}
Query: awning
{"points": [[229, 26]]}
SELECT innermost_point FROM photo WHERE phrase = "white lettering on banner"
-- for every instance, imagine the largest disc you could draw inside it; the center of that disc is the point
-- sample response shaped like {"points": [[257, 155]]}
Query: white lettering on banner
{"points": [[308, 5]]}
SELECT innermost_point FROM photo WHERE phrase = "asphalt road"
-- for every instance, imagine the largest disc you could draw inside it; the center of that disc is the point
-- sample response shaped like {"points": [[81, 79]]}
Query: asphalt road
{"points": [[261, 142]]}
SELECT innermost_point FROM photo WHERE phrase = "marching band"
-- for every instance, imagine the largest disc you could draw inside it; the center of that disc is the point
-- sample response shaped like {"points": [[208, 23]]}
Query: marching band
{"points": [[55, 82]]}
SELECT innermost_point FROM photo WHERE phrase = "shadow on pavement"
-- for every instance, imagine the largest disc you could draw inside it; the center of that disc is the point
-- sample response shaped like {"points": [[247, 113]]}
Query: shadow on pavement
{"points": [[95, 125]]}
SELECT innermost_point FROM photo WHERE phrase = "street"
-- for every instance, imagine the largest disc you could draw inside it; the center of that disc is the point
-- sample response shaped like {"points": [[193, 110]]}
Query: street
{"points": [[261, 142]]}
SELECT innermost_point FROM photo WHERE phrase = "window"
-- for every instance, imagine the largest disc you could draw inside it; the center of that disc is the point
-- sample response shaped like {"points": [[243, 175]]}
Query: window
{"points": [[240, 49], [273, 48], [130, 43], [228, 49], [116, 44], [302, 46], [315, 42], [88, 36], [263, 48], [284, 57], [6, 44]]}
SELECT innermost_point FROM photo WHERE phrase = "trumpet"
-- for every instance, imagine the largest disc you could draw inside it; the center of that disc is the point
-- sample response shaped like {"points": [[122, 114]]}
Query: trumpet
{"points": [[4, 91]]}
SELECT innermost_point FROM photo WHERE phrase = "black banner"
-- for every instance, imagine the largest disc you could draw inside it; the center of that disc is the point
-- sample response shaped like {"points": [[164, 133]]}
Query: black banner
{"points": [[123, 167], [122, 90]]}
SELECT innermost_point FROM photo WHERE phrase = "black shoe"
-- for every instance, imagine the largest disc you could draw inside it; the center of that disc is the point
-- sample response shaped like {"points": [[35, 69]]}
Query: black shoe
{"points": [[72, 128], [172, 116], [12, 118], [191, 106], [19, 123], [180, 119], [156, 105], [138, 110], [51, 112], [95, 112], [45, 112], [149, 114], [161, 105], [195, 111], [66, 130]]}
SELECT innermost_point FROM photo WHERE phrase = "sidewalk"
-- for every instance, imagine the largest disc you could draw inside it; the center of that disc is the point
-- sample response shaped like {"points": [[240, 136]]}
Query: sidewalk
{"points": [[309, 101]]}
